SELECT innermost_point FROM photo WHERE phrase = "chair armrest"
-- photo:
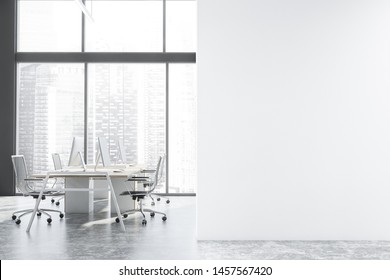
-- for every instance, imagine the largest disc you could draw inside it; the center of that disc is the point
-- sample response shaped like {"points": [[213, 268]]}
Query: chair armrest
{"points": [[137, 180], [147, 171], [33, 179], [125, 193]]}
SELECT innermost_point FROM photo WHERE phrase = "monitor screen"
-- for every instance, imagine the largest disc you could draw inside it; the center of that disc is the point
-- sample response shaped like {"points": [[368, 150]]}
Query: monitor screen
{"points": [[122, 151], [82, 161], [104, 152], [77, 146]]}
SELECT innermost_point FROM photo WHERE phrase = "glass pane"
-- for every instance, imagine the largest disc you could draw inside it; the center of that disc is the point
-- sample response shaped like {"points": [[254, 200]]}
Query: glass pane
{"points": [[181, 26], [48, 26], [50, 112], [182, 128], [125, 26], [127, 102]]}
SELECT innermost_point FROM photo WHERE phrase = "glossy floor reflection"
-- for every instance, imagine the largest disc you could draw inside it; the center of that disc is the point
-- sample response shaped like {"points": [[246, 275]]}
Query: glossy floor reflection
{"points": [[98, 236]]}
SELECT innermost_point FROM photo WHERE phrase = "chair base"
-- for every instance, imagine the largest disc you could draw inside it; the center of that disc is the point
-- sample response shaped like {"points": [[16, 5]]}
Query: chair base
{"points": [[58, 200], [39, 213], [142, 211], [159, 198]]}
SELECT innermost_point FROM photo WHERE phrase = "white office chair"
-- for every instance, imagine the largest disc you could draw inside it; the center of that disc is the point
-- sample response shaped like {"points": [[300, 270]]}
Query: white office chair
{"points": [[140, 195], [148, 184], [57, 166], [23, 181]]}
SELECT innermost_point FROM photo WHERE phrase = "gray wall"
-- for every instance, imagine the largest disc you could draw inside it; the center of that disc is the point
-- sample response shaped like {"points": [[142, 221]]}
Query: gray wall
{"points": [[7, 89], [294, 119]]}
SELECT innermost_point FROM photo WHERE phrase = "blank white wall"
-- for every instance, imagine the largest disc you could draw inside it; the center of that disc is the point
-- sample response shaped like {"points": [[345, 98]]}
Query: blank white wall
{"points": [[294, 119]]}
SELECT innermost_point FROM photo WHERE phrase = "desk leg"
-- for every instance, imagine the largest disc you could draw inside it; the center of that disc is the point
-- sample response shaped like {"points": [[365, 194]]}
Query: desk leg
{"points": [[78, 202], [37, 204], [115, 202], [125, 202]]}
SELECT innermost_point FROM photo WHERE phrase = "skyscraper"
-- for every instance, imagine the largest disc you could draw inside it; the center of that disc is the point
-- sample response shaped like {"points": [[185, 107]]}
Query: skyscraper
{"points": [[50, 110]]}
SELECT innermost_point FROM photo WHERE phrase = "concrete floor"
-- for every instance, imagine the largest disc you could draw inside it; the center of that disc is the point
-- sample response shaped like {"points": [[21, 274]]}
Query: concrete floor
{"points": [[97, 236]]}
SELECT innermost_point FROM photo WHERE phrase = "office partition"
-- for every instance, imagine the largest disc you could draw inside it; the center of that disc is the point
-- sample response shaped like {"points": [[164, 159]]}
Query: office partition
{"points": [[294, 120]]}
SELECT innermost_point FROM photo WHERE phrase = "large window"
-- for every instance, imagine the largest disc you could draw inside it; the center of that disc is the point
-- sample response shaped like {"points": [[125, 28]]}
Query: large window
{"points": [[133, 80], [181, 26], [125, 26], [182, 128], [48, 26], [50, 111], [127, 102]]}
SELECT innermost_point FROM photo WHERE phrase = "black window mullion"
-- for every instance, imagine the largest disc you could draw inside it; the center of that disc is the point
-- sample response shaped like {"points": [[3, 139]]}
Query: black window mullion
{"points": [[166, 99], [167, 128]]}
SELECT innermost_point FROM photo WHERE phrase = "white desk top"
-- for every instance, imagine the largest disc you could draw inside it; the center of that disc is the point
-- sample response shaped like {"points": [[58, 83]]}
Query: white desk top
{"points": [[114, 171]]}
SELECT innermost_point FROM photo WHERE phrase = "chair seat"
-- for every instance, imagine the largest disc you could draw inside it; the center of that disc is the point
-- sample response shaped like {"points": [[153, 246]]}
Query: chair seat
{"points": [[45, 193], [148, 183], [135, 194]]}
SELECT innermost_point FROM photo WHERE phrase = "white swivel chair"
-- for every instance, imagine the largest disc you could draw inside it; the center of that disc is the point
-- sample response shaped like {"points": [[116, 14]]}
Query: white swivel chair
{"points": [[24, 184], [57, 166], [148, 184], [140, 195]]}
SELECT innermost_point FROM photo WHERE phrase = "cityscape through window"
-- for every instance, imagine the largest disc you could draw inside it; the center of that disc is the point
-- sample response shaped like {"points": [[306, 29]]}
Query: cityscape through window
{"points": [[149, 105]]}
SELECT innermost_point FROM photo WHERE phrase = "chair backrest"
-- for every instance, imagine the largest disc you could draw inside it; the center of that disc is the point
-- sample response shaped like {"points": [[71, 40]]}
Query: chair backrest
{"points": [[157, 175], [21, 173], [57, 161], [161, 171]]}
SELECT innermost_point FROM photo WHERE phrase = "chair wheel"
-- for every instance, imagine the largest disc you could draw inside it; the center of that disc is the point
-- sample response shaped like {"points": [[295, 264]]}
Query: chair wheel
{"points": [[52, 200], [14, 217], [18, 221], [61, 215], [153, 203], [125, 216], [168, 201], [39, 214], [117, 220], [164, 218], [158, 199], [144, 222], [152, 214], [57, 203], [49, 220]]}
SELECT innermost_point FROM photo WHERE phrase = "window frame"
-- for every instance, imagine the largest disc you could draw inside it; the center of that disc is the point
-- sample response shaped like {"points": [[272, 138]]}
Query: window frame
{"points": [[163, 57]]}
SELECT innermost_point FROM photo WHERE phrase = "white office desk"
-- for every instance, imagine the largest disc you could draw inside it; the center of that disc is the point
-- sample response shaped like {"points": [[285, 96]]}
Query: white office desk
{"points": [[75, 178], [120, 183], [98, 183], [85, 176]]}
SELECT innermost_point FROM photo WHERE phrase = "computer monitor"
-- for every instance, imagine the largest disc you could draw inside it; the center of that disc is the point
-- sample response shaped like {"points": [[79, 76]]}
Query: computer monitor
{"points": [[82, 161], [77, 147], [103, 152], [121, 151]]}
